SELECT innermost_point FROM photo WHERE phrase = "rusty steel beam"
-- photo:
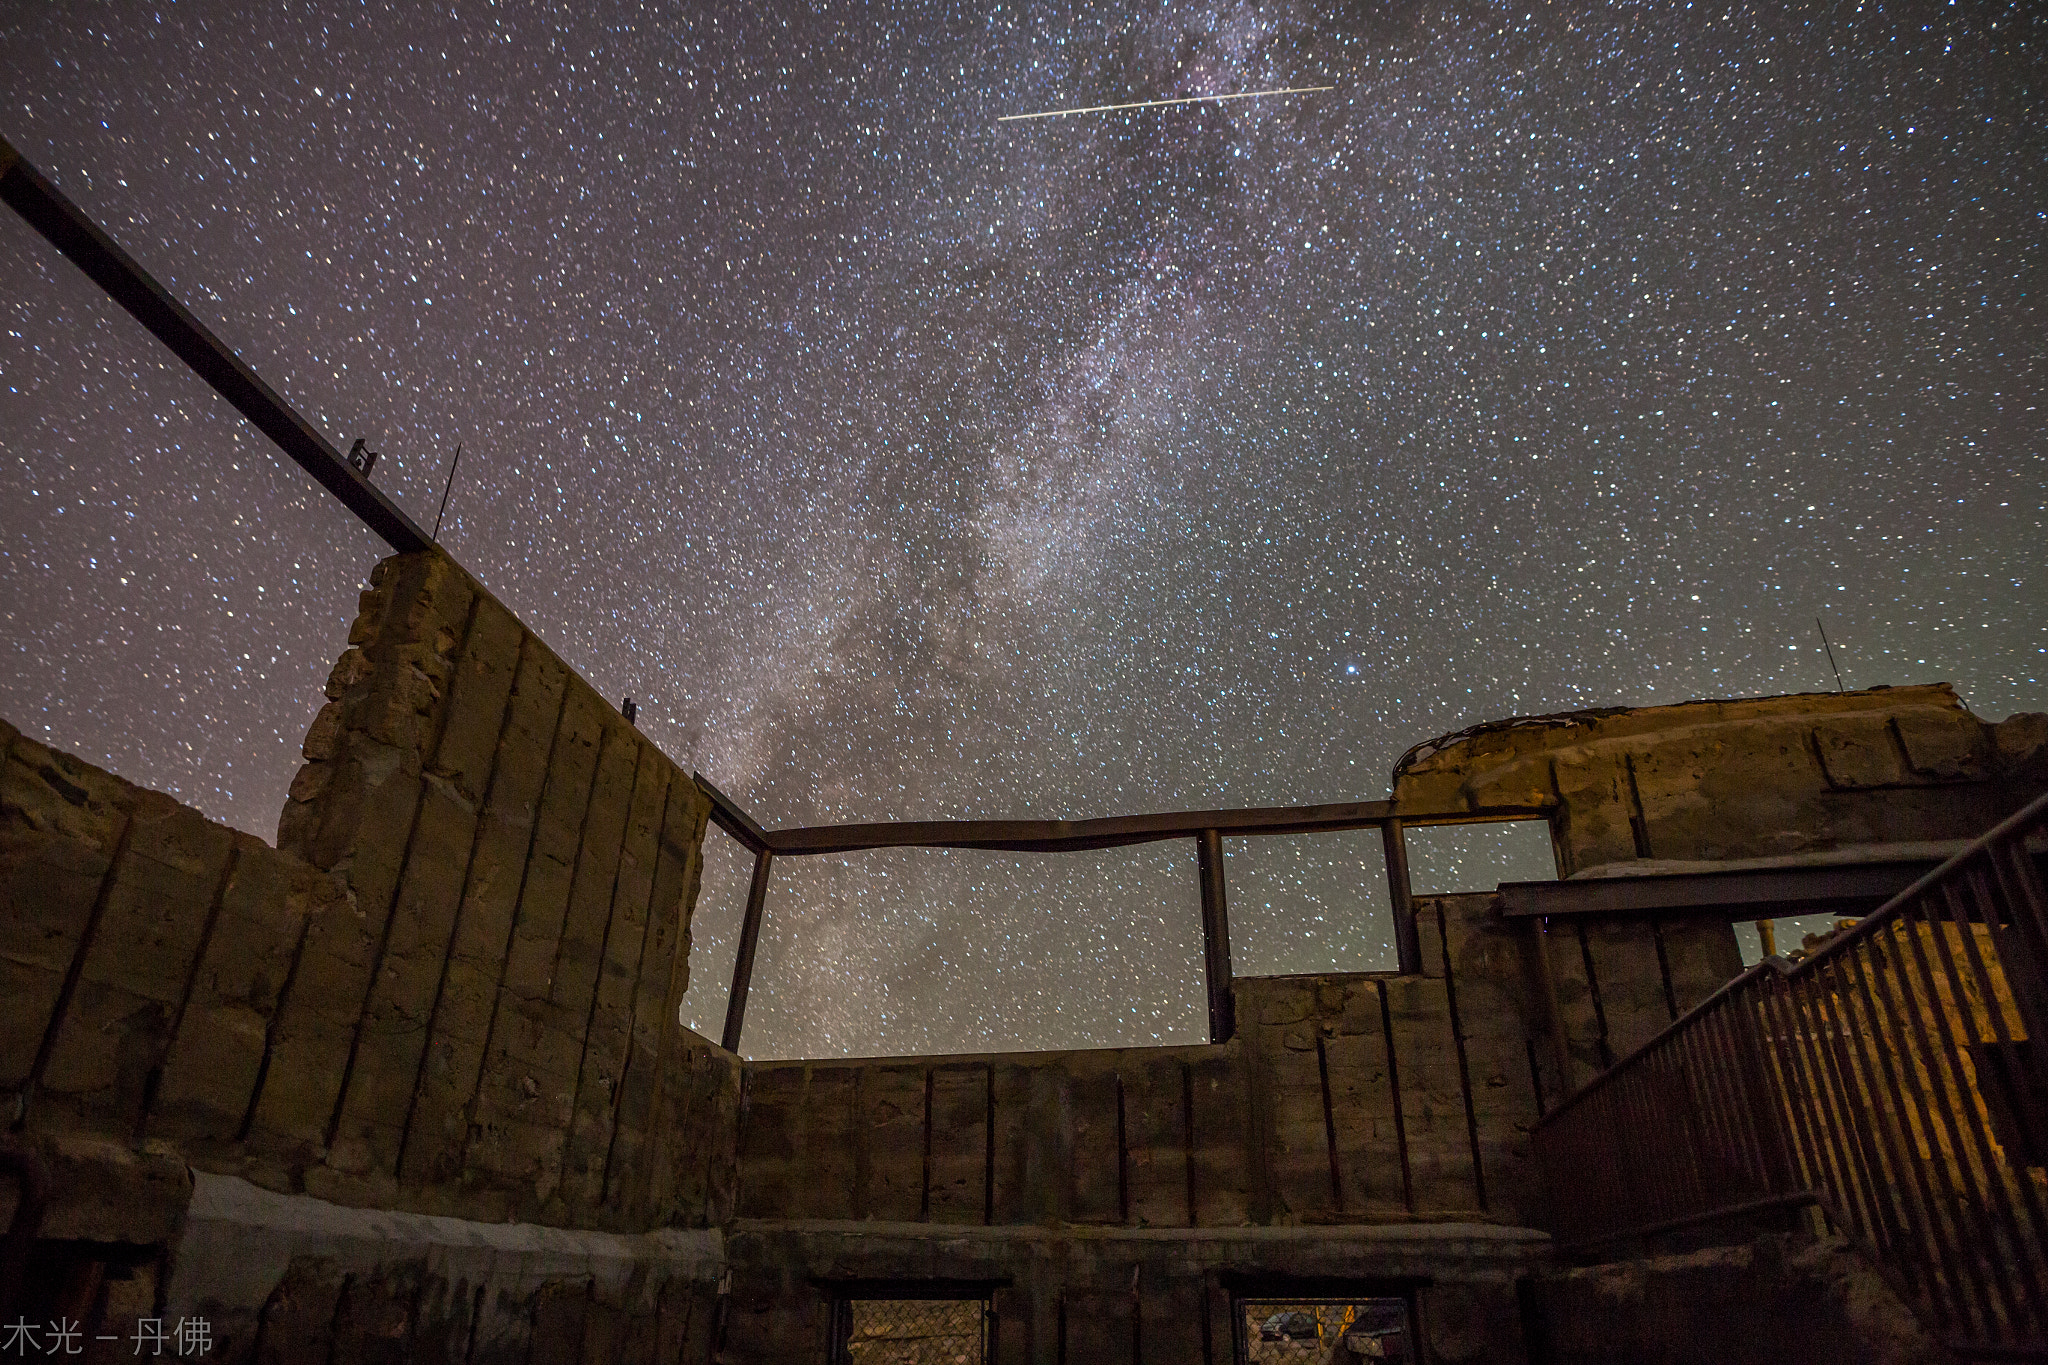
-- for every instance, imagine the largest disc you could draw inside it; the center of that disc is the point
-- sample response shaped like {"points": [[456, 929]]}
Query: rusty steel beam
{"points": [[743, 961], [65, 226], [1849, 890], [1117, 831], [1215, 935], [727, 815], [1401, 898]]}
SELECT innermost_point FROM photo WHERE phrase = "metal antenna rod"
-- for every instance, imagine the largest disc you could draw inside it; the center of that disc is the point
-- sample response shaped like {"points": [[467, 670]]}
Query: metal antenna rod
{"points": [[1831, 654], [446, 489]]}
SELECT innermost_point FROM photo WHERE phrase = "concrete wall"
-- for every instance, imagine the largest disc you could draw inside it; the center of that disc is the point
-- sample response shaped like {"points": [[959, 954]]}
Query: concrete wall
{"points": [[1712, 781], [452, 989], [1343, 1099], [1127, 1296]]}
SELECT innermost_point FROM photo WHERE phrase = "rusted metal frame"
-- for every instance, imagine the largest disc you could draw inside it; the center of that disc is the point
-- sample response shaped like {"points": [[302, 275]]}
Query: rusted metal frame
{"points": [[1962, 1201], [1876, 1111], [1858, 1192], [1991, 1199], [1824, 1167], [1778, 1138], [743, 961], [1754, 1112], [1118, 831], [1943, 1287], [2023, 944], [1713, 1104], [1683, 1179], [1401, 897], [1216, 936], [1719, 1102], [1688, 1179], [2029, 1267], [65, 226], [1658, 1190], [1620, 1115], [1626, 1114], [727, 815], [2001, 1175], [1861, 1095]]}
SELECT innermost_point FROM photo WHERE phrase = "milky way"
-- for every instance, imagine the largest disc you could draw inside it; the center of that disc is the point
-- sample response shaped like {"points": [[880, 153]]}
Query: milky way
{"points": [[908, 464]]}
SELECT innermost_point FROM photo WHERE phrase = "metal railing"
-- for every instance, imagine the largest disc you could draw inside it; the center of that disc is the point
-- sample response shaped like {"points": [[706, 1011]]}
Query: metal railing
{"points": [[1207, 828], [1896, 1076]]}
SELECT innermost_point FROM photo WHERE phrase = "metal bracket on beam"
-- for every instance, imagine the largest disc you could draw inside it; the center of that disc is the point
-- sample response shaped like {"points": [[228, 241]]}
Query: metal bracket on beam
{"points": [[65, 226]]}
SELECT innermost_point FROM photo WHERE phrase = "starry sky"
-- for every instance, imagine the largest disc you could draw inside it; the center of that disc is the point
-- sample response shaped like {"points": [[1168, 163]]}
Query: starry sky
{"points": [[908, 464]]}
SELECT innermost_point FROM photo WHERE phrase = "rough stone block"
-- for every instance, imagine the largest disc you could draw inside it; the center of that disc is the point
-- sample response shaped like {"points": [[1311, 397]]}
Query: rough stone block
{"points": [[483, 926], [58, 831], [132, 983], [298, 1320], [591, 1140], [315, 1027], [1703, 956], [392, 1035], [1433, 1114], [209, 1076], [1224, 1160], [1156, 1138], [1628, 977], [1944, 745], [960, 1151], [889, 1159], [1288, 1098], [1015, 1201], [1362, 1113], [825, 1152], [1498, 1024], [1094, 1163], [1859, 751]]}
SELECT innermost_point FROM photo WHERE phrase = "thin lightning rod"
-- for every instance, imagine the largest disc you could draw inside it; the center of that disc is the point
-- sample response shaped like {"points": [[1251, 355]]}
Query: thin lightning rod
{"points": [[1154, 104], [1831, 654]]}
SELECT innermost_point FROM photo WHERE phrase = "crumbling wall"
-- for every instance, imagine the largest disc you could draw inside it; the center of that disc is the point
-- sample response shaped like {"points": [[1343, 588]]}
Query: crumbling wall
{"points": [[453, 988], [1717, 781], [1342, 1099]]}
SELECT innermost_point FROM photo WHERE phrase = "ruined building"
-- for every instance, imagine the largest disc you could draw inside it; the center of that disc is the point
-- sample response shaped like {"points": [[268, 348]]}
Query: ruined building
{"points": [[412, 1086]]}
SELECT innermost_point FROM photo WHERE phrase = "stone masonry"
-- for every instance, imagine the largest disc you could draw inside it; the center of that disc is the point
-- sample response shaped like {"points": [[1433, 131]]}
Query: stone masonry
{"points": [[412, 1086]]}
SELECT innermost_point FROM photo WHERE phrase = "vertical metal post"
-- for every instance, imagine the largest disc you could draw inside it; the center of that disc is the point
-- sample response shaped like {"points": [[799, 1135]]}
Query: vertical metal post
{"points": [[743, 963], [1407, 947], [1215, 936]]}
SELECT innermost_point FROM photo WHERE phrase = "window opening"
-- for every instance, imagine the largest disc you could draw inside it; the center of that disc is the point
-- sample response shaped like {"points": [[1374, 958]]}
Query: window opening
{"points": [[910, 1331], [1444, 860], [1309, 903], [1324, 1331]]}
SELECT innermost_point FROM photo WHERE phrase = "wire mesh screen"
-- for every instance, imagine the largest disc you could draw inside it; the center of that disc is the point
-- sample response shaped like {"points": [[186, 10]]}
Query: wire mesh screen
{"points": [[1323, 1331], [913, 1331]]}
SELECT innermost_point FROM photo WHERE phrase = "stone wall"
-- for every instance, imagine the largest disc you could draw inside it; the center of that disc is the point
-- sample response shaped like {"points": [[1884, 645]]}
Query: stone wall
{"points": [[1125, 1296], [1343, 1099], [1718, 781], [453, 988]]}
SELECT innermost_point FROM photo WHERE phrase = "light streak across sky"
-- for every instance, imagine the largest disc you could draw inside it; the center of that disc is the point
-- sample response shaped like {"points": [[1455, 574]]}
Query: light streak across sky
{"points": [[1153, 104]]}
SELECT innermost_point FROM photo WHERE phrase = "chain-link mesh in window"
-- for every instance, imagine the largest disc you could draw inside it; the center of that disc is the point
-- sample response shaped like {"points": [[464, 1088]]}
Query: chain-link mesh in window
{"points": [[914, 1332], [1323, 1331]]}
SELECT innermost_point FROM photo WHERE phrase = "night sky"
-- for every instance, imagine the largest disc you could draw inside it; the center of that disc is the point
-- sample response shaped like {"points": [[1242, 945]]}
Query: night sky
{"points": [[905, 464]]}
